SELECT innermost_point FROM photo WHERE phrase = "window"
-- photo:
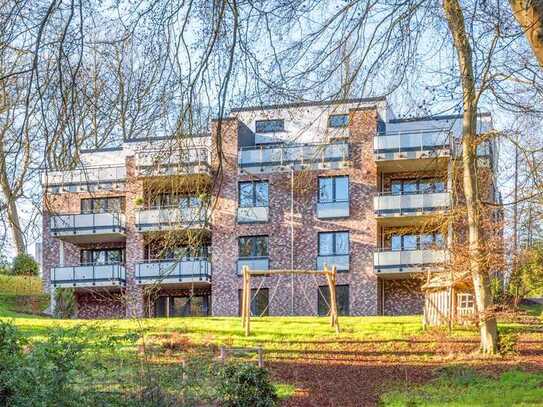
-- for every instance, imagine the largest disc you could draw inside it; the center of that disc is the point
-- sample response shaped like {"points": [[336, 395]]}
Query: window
{"points": [[465, 301], [102, 205], [195, 306], [259, 302], [168, 200], [342, 300], [417, 242], [333, 243], [101, 256], [253, 246], [427, 185], [338, 120], [183, 252], [253, 193], [333, 189], [269, 126]]}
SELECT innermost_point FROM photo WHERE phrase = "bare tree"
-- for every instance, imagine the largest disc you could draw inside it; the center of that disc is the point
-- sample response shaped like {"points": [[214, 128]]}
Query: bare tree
{"points": [[529, 14]]}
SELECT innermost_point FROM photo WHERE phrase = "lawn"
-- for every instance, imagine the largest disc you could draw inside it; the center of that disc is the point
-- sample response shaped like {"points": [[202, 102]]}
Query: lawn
{"points": [[390, 360]]}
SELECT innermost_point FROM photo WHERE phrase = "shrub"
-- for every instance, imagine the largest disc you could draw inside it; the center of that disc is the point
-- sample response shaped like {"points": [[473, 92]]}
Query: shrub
{"points": [[24, 264], [65, 303], [245, 385], [507, 343]]}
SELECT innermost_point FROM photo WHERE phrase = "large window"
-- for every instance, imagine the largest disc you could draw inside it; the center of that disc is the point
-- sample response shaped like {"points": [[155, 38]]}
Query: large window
{"points": [[338, 120], [102, 256], [259, 302], [253, 193], [427, 185], [333, 189], [333, 243], [342, 300], [102, 205], [269, 126], [417, 241], [186, 306], [253, 246]]}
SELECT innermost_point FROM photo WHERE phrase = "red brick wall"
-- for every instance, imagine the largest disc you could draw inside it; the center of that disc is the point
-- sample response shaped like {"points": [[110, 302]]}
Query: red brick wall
{"points": [[402, 297], [361, 224]]}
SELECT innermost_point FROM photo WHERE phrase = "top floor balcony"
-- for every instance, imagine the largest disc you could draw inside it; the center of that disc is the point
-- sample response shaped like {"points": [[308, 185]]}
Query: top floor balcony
{"points": [[282, 157], [179, 161], [412, 145], [88, 178]]}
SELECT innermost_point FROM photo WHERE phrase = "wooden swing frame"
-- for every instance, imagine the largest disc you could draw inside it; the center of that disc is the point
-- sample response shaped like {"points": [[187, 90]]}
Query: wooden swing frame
{"points": [[246, 292]]}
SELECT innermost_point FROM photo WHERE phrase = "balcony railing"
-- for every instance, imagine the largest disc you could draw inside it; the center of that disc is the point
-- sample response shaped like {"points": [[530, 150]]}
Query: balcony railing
{"points": [[81, 179], [413, 144], [91, 275], [402, 261], [340, 261], [192, 160], [187, 270], [326, 210], [254, 263], [281, 156], [86, 224], [171, 218], [253, 214], [387, 204]]}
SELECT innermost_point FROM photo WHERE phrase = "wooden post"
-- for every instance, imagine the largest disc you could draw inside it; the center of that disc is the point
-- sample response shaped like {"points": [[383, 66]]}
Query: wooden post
{"points": [[243, 295], [260, 357], [248, 305]]}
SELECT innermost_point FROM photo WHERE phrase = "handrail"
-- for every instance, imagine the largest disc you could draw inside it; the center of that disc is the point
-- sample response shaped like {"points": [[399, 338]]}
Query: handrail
{"points": [[403, 193], [287, 145], [419, 248], [409, 132]]}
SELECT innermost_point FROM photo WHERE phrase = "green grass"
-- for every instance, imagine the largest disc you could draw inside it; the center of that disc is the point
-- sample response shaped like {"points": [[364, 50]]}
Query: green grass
{"points": [[464, 387], [535, 310], [21, 295]]}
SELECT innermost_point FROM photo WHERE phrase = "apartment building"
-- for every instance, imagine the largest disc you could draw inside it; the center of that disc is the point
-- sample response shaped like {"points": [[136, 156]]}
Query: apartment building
{"points": [[163, 227]]}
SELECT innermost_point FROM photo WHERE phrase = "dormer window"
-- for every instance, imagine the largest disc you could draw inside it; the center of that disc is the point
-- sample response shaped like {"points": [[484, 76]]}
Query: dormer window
{"points": [[269, 126], [338, 121]]}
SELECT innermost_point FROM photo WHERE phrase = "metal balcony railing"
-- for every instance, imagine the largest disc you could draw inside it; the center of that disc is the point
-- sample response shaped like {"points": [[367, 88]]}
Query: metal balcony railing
{"points": [[88, 275], [193, 269], [292, 154], [393, 261], [88, 175], [82, 224], [388, 204], [174, 217]]}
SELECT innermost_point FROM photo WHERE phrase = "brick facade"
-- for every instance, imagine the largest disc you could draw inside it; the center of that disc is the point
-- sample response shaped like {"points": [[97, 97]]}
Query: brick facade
{"points": [[390, 294]]}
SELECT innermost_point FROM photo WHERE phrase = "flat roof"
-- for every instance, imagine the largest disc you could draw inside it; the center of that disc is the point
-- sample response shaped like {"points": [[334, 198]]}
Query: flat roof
{"points": [[310, 103]]}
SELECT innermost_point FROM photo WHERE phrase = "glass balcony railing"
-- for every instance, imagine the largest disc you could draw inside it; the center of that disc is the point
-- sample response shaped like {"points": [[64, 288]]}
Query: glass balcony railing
{"points": [[91, 275], [254, 264], [340, 261], [388, 204], [412, 144], [253, 214], [156, 219], [87, 224], [193, 160], [186, 270], [403, 261], [70, 179], [269, 157]]}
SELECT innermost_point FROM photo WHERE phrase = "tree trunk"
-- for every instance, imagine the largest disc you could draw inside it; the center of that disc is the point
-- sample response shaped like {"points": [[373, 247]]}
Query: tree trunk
{"points": [[529, 14], [481, 279], [15, 227]]}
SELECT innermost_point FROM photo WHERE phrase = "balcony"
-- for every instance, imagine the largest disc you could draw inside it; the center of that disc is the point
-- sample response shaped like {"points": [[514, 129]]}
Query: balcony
{"points": [[254, 214], [160, 162], [281, 157], [387, 205], [397, 262], [412, 145], [88, 227], [328, 210], [341, 261], [92, 275], [85, 179], [254, 263], [191, 270], [157, 219]]}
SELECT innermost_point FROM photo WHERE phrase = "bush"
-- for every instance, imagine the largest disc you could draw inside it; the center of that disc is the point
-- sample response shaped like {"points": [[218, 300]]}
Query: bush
{"points": [[65, 303], [507, 343], [245, 385], [24, 265]]}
